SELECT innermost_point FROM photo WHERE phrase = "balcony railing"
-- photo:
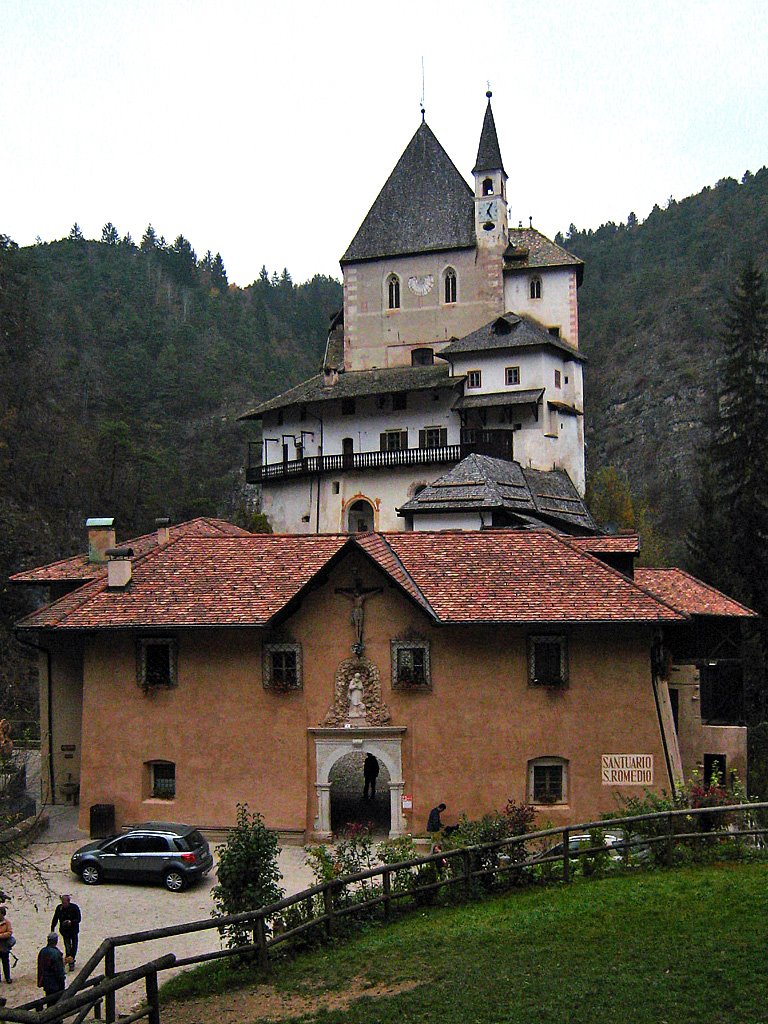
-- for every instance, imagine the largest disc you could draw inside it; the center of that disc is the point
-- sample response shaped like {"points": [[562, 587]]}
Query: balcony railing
{"points": [[497, 443]]}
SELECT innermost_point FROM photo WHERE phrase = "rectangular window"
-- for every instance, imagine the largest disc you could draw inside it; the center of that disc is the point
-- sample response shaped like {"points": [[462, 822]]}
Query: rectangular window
{"points": [[410, 664], [547, 783], [156, 662], [474, 378], [722, 690], [282, 666], [547, 661], [558, 379], [163, 775], [554, 331], [433, 437], [512, 375], [399, 400], [347, 407], [714, 770], [394, 440]]}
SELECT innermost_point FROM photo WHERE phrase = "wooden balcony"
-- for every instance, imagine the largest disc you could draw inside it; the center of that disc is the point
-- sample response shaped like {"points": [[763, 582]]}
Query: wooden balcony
{"points": [[497, 443]]}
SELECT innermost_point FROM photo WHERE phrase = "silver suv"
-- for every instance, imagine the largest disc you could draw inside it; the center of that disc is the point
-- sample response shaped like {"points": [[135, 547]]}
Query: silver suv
{"points": [[157, 851]]}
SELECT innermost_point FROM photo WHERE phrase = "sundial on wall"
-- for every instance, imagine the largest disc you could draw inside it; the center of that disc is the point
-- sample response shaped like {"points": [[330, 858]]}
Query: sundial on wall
{"points": [[421, 285]]}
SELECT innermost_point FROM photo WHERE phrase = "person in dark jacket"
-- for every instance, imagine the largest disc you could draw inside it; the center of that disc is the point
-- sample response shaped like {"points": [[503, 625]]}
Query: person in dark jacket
{"points": [[370, 774], [68, 917], [50, 967], [433, 821]]}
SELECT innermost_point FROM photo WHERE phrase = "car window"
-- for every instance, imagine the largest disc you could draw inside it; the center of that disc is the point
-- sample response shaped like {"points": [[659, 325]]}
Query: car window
{"points": [[130, 844], [154, 844], [194, 839]]}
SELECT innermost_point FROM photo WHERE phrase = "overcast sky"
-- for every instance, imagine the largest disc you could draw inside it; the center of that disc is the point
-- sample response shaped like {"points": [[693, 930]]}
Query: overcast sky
{"points": [[265, 130]]}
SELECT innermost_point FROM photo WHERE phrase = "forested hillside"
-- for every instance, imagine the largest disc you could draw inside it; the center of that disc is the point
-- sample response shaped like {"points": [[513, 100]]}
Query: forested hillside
{"points": [[122, 371], [651, 310]]}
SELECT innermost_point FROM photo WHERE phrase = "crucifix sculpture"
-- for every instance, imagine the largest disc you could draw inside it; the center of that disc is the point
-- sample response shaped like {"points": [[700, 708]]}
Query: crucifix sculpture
{"points": [[358, 595]]}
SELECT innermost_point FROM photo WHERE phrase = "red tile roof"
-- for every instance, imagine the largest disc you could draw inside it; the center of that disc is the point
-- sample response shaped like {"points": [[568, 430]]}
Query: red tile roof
{"points": [[608, 544], [461, 577], [198, 581], [79, 568], [688, 594], [520, 576]]}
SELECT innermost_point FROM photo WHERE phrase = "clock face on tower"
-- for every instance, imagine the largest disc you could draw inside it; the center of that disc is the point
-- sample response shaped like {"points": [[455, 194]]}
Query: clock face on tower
{"points": [[488, 209]]}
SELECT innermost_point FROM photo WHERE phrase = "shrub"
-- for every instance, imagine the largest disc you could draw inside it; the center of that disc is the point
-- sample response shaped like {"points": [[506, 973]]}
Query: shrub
{"points": [[248, 872]]}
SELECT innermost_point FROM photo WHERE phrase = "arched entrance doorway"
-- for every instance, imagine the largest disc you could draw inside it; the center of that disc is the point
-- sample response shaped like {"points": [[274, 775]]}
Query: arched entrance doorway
{"points": [[360, 517], [348, 803], [333, 745]]}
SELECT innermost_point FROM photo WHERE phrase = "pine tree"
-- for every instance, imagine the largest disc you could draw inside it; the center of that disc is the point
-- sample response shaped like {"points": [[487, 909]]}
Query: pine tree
{"points": [[729, 543], [109, 234]]}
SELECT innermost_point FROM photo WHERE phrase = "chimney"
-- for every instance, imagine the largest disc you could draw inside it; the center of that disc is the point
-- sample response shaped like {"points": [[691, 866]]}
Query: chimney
{"points": [[163, 534], [101, 535], [119, 568]]}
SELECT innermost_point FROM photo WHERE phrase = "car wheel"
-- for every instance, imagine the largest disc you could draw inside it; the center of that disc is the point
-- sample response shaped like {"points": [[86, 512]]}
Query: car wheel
{"points": [[174, 881], [91, 874]]}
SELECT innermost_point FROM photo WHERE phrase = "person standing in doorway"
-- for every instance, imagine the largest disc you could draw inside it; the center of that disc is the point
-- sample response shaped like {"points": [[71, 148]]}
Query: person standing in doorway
{"points": [[6, 943], [370, 774], [68, 917], [50, 967]]}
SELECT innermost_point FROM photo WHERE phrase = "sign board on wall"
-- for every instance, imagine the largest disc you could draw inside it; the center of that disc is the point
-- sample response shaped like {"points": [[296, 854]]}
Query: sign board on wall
{"points": [[626, 769], [407, 802]]}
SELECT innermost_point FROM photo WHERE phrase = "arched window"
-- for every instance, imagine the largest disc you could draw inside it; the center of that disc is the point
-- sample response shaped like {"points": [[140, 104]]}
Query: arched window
{"points": [[535, 287], [422, 357], [450, 285], [393, 292], [488, 187], [360, 517]]}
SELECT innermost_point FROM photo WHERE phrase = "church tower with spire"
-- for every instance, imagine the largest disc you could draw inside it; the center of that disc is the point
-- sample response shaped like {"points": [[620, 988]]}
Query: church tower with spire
{"points": [[491, 225], [458, 340]]}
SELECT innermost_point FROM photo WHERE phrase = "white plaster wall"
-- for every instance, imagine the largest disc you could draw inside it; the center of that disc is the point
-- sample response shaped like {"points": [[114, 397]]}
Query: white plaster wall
{"points": [[286, 502], [558, 305], [424, 409]]}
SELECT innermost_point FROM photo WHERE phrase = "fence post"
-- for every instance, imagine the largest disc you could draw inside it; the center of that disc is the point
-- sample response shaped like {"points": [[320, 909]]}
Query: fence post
{"points": [[566, 856], [328, 901], [261, 943], [467, 862], [109, 998], [386, 885], [153, 1002], [670, 841]]}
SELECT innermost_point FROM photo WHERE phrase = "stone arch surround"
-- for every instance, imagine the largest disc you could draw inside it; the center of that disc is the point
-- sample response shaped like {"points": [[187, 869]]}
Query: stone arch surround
{"points": [[385, 743]]}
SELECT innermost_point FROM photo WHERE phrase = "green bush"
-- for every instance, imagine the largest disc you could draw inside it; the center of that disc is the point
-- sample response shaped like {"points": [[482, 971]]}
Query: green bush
{"points": [[248, 872]]}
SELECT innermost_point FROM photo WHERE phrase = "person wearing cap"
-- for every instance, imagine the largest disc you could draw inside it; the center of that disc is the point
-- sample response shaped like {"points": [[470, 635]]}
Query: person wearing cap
{"points": [[68, 917], [50, 967]]}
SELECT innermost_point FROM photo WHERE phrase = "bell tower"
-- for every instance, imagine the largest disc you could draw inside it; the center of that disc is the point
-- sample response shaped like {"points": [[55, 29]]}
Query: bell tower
{"points": [[490, 187]]}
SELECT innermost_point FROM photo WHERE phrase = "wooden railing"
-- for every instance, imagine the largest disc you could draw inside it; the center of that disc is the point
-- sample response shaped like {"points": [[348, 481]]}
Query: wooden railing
{"points": [[314, 465], [322, 909], [496, 443]]}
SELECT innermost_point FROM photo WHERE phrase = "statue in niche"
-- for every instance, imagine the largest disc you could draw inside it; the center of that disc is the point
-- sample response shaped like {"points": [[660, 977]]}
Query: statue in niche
{"points": [[357, 698], [355, 692]]}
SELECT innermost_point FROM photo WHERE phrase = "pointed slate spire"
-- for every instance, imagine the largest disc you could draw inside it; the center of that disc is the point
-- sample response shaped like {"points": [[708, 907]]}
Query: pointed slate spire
{"points": [[488, 152], [425, 205]]}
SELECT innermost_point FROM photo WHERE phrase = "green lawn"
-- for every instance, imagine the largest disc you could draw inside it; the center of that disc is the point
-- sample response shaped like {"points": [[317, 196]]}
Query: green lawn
{"points": [[685, 947]]}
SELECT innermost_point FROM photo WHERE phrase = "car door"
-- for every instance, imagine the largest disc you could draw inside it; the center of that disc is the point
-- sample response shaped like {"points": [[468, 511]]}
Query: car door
{"points": [[125, 865], [109, 856], [154, 857]]}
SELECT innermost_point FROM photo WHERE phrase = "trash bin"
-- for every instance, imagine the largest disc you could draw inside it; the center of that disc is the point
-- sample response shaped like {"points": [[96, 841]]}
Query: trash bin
{"points": [[102, 820]]}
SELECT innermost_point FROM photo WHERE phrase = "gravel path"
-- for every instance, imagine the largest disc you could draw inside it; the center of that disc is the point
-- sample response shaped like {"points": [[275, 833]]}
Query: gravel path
{"points": [[114, 909]]}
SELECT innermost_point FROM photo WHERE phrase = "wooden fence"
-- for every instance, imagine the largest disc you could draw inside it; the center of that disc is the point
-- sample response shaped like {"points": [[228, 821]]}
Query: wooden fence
{"points": [[323, 909]]}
